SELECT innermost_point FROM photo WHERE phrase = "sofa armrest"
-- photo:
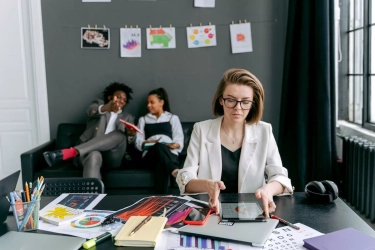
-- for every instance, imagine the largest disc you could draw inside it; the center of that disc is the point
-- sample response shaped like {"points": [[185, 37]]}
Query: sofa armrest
{"points": [[33, 160]]}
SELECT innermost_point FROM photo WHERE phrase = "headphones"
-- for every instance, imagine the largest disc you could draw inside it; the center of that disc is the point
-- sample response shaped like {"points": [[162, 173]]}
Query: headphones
{"points": [[322, 191]]}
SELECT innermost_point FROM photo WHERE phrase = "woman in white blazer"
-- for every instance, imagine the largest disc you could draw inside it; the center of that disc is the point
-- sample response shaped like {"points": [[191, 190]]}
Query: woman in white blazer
{"points": [[235, 151]]}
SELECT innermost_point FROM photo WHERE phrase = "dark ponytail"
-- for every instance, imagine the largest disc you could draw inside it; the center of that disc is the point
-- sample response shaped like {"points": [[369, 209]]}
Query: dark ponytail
{"points": [[161, 93]]}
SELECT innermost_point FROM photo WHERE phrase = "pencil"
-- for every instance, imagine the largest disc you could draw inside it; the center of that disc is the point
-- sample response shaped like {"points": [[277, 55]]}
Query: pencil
{"points": [[27, 192]]}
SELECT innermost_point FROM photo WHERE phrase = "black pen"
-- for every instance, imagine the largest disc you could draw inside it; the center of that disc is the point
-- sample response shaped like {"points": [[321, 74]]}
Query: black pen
{"points": [[148, 218], [284, 221]]}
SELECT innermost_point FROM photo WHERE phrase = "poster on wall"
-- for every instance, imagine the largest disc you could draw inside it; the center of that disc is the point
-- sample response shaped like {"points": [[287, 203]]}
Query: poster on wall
{"points": [[201, 36], [130, 42], [240, 36], [97, 38], [95, 1], [204, 3], [161, 38]]}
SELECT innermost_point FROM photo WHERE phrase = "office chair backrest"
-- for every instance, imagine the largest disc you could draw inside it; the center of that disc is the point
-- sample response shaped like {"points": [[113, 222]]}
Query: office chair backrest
{"points": [[57, 186], [322, 191]]}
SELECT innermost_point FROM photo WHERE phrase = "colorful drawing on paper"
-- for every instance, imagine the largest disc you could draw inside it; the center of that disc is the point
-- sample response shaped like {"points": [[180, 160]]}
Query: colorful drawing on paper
{"points": [[240, 35], [89, 221], [130, 42], [161, 38], [78, 201], [59, 212], [201, 36], [197, 242], [98, 38]]}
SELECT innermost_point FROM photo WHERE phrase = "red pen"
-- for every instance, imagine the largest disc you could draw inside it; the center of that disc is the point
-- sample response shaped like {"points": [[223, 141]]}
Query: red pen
{"points": [[284, 222]]}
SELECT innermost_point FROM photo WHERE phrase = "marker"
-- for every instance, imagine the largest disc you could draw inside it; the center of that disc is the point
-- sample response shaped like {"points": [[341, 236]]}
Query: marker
{"points": [[92, 242], [284, 222]]}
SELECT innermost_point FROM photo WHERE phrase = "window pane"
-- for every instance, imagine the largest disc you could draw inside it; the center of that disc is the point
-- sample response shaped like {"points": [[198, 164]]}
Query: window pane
{"points": [[358, 52], [351, 103], [351, 52], [372, 100], [358, 99], [358, 13], [351, 14]]}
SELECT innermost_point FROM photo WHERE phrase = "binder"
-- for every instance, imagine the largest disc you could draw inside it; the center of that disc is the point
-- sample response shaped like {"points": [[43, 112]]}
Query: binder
{"points": [[146, 236]]}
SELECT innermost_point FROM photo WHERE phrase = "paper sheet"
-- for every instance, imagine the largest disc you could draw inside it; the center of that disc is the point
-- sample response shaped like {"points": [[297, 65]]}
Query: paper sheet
{"points": [[86, 227], [130, 42], [204, 3], [240, 36]]}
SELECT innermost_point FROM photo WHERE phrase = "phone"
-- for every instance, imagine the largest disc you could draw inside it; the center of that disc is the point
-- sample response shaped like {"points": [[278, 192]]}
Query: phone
{"points": [[197, 216]]}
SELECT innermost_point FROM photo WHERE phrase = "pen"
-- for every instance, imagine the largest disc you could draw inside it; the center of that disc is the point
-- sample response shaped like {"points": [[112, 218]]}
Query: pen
{"points": [[92, 242], [284, 221], [148, 218]]}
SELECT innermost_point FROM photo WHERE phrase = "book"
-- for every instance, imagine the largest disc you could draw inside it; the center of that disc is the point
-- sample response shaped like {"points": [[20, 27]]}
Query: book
{"points": [[68, 207], [146, 236], [132, 126], [345, 239], [148, 145]]}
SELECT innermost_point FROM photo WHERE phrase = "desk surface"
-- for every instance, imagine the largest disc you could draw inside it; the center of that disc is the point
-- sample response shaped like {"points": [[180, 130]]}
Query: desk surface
{"points": [[325, 218]]}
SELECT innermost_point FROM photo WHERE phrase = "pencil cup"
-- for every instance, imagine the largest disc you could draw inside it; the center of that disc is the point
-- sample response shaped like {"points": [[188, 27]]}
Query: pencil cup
{"points": [[26, 215]]}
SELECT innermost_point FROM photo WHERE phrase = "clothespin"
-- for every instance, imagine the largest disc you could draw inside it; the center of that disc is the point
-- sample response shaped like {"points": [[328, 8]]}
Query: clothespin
{"points": [[191, 25], [96, 26], [136, 26], [105, 28], [131, 26], [209, 23], [232, 22], [126, 26], [88, 26], [245, 21]]}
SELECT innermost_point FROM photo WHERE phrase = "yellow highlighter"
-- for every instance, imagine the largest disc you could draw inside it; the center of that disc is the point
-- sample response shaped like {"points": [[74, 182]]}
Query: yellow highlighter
{"points": [[92, 242]]}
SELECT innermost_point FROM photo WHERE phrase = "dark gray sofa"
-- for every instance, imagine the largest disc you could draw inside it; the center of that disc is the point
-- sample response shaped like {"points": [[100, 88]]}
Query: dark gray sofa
{"points": [[128, 179]]}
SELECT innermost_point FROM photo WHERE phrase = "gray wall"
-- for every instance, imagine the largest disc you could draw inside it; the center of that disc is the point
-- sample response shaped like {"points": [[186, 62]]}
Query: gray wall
{"points": [[76, 76]]}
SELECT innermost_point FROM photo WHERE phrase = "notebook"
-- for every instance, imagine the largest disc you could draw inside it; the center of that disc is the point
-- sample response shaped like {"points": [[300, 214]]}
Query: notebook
{"points": [[251, 233], [35, 241], [7, 185], [146, 236], [345, 239]]}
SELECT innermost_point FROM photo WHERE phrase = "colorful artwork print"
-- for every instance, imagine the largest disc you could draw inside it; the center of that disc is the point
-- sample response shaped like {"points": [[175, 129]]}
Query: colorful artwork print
{"points": [[130, 42], [95, 38], [89, 221], [240, 35], [78, 201], [201, 36], [161, 38], [59, 212]]}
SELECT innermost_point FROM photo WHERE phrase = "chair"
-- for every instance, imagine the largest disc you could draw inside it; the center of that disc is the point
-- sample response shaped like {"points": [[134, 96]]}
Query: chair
{"points": [[57, 186]]}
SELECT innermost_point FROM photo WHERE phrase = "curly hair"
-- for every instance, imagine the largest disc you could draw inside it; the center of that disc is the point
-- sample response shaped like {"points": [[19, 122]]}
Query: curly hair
{"points": [[116, 86]]}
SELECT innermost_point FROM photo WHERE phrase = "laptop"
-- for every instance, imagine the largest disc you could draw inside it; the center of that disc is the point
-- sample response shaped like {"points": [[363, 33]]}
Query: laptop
{"points": [[36, 241], [7, 185], [251, 233]]}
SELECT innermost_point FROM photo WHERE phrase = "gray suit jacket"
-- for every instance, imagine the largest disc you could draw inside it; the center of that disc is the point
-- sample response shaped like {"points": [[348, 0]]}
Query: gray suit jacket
{"points": [[97, 123]]}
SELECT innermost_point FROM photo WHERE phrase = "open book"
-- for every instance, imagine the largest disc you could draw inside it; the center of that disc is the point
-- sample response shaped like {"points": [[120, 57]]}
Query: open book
{"points": [[68, 207], [146, 236], [132, 126]]}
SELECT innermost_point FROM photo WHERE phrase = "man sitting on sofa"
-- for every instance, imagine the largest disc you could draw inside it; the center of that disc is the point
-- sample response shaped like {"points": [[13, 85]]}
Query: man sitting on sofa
{"points": [[104, 140]]}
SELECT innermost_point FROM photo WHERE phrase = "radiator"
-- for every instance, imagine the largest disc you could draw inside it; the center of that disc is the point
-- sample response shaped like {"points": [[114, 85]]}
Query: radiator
{"points": [[358, 180]]}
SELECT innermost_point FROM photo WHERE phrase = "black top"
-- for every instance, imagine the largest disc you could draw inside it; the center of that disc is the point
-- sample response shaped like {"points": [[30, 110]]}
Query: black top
{"points": [[161, 128], [229, 174]]}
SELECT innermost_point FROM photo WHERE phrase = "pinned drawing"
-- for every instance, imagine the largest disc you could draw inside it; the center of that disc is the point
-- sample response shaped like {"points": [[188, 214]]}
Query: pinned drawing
{"points": [[240, 35], [201, 36], [130, 42], [161, 38], [95, 38], [204, 3]]}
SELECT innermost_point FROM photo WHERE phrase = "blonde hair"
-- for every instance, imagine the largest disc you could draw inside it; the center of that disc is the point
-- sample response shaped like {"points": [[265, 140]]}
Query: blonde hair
{"points": [[242, 77]]}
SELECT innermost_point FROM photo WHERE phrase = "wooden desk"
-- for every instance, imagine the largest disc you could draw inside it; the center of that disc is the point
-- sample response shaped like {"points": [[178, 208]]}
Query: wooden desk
{"points": [[325, 218]]}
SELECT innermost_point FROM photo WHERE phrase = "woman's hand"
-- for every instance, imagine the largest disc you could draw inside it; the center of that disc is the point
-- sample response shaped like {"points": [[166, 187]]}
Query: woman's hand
{"points": [[173, 145], [213, 189], [266, 193]]}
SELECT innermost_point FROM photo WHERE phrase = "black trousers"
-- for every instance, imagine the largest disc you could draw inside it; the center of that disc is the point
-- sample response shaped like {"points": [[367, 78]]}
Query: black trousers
{"points": [[160, 158]]}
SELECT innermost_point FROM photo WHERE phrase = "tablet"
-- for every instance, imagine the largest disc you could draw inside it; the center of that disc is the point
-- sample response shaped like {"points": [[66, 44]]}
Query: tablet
{"points": [[242, 212]]}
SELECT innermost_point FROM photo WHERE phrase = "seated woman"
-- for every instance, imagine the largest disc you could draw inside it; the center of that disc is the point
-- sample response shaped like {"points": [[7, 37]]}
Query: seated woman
{"points": [[233, 152], [163, 129]]}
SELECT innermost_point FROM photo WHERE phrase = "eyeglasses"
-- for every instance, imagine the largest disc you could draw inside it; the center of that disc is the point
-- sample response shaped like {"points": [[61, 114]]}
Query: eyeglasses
{"points": [[231, 103]]}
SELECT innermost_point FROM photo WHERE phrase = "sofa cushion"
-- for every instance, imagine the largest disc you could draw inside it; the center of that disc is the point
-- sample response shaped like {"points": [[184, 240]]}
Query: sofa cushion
{"points": [[68, 134]]}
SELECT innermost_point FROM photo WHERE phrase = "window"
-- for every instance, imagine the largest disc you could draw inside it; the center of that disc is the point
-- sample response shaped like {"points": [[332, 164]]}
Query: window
{"points": [[357, 83]]}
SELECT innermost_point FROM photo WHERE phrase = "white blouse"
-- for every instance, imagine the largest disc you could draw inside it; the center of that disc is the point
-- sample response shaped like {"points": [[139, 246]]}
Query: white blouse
{"points": [[177, 133]]}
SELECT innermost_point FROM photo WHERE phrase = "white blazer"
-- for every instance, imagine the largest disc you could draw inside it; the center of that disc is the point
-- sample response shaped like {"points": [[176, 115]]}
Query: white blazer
{"points": [[259, 156]]}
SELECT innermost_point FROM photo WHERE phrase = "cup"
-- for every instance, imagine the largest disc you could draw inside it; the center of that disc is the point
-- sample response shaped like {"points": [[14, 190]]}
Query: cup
{"points": [[26, 215]]}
